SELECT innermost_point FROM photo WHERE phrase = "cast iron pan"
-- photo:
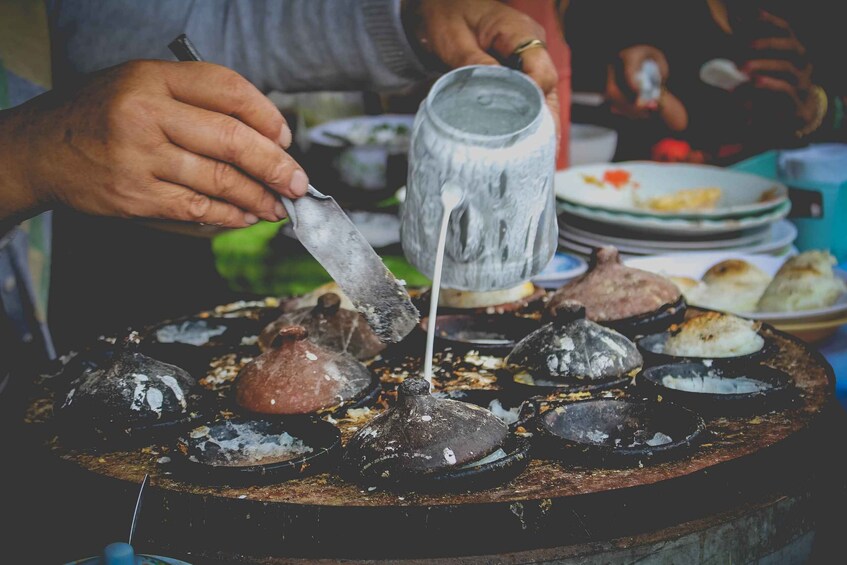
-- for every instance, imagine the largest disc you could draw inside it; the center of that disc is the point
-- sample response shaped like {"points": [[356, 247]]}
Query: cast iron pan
{"points": [[773, 387], [650, 323], [206, 465], [544, 387], [490, 334], [650, 345], [613, 433]]}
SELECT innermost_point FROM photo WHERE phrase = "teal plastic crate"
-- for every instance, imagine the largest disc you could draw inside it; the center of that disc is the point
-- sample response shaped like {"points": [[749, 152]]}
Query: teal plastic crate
{"points": [[819, 210]]}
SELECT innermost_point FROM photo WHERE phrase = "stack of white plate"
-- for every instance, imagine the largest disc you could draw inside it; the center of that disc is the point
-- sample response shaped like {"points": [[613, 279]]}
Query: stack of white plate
{"points": [[604, 205]]}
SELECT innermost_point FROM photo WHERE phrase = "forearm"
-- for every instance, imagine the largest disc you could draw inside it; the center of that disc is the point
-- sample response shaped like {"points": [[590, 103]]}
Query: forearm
{"points": [[19, 199], [287, 45]]}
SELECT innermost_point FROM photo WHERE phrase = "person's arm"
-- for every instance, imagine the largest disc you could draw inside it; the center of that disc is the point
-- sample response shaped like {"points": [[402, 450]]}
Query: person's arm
{"points": [[150, 139], [296, 45]]}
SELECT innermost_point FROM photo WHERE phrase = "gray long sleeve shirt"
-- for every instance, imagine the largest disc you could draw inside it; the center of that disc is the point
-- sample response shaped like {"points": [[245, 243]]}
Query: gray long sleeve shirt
{"points": [[285, 45]]}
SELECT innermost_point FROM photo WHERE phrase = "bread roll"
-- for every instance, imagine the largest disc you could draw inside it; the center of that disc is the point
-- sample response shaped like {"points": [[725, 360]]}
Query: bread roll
{"points": [[804, 282]]}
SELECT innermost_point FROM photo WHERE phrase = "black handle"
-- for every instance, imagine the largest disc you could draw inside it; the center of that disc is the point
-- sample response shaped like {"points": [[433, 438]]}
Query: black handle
{"points": [[183, 49]]}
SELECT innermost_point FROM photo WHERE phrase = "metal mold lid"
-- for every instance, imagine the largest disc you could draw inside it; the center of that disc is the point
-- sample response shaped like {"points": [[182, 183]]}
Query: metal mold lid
{"points": [[716, 390], [617, 432], [421, 436], [249, 451], [574, 349], [298, 376], [124, 394], [611, 291], [329, 325]]}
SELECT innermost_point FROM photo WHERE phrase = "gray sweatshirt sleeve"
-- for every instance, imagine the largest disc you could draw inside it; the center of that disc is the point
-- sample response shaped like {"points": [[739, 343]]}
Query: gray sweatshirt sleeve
{"points": [[286, 45]]}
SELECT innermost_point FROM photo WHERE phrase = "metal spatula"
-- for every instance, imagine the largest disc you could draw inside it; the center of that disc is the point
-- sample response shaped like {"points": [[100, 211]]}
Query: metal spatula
{"points": [[328, 234], [331, 237]]}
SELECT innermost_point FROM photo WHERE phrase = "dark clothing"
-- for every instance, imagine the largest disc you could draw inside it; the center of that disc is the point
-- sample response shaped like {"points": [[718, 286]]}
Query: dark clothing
{"points": [[688, 36]]}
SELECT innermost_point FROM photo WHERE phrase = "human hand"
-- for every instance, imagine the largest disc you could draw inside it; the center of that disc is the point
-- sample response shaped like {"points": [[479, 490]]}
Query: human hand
{"points": [[467, 32], [153, 139], [779, 67], [622, 86]]}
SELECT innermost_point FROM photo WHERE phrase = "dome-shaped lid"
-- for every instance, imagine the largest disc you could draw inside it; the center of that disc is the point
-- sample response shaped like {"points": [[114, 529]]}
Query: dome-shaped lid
{"points": [[572, 347], [613, 291], [134, 388], [422, 434], [330, 326], [297, 376]]}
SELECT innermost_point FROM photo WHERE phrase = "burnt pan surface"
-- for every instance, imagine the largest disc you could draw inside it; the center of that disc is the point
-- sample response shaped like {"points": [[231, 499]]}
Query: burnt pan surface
{"points": [[526, 386], [487, 333], [652, 322], [202, 332], [716, 390], [651, 347], [250, 451], [616, 433]]}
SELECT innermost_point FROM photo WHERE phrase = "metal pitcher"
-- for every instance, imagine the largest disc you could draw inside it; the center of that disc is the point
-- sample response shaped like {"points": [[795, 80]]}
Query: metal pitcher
{"points": [[487, 130]]}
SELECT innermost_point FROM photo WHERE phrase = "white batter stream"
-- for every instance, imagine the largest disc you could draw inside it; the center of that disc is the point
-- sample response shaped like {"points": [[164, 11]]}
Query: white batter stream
{"points": [[451, 196]]}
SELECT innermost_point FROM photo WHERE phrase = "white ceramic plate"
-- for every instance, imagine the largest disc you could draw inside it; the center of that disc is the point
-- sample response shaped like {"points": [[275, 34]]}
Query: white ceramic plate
{"points": [[562, 268], [762, 240], [694, 265], [742, 194], [676, 226]]}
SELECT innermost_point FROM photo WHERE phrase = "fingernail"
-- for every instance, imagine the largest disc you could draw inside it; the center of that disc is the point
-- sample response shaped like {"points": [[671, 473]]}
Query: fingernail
{"points": [[285, 137], [279, 210], [299, 182], [250, 218]]}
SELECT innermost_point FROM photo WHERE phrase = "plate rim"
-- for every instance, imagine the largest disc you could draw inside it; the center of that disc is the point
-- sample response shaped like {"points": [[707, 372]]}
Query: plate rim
{"points": [[677, 225], [729, 212]]}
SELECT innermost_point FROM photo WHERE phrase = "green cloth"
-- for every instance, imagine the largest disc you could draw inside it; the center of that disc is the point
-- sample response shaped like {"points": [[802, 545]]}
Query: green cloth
{"points": [[247, 261]]}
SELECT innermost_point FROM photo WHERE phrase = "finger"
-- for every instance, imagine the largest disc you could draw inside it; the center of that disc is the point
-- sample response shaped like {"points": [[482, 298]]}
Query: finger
{"points": [[673, 112], [457, 47], [538, 64], [620, 104], [785, 44], [219, 180], [504, 36], [226, 139], [780, 86], [222, 90], [776, 68], [775, 21], [176, 202]]}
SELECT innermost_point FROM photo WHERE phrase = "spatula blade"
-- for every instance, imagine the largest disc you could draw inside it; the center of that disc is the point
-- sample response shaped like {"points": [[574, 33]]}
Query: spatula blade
{"points": [[331, 237]]}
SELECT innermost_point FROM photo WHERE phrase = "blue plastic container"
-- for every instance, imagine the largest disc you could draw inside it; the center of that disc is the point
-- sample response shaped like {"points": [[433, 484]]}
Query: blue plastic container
{"points": [[819, 209]]}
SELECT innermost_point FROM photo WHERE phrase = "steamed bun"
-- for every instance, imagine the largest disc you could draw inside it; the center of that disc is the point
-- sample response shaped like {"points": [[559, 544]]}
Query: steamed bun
{"points": [[733, 285], [714, 335], [804, 282]]}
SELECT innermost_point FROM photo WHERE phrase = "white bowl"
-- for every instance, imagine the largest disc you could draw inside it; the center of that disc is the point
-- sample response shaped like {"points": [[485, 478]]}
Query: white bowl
{"points": [[592, 144]]}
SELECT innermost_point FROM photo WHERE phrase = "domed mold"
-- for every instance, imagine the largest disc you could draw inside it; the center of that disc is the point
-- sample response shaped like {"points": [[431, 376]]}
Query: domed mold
{"points": [[422, 436], [572, 350], [330, 326], [298, 376], [632, 301]]}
